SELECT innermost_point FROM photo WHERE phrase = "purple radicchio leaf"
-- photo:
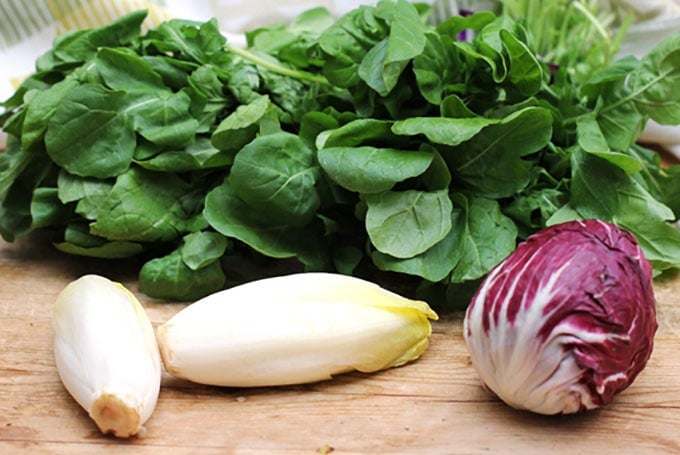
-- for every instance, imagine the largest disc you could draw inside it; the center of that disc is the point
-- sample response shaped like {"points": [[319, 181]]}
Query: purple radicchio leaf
{"points": [[567, 321]]}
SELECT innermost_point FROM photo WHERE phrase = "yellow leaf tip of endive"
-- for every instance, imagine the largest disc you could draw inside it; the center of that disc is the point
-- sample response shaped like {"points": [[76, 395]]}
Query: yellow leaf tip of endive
{"points": [[413, 353], [428, 311]]}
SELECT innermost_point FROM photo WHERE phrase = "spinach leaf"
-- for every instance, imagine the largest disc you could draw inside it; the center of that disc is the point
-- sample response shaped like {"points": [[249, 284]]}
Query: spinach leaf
{"points": [[532, 209], [486, 237], [241, 126], [41, 109], [276, 173], [200, 43], [347, 42], [620, 122], [670, 188], [437, 176], [122, 69], [168, 277], [46, 209], [82, 45], [525, 73], [601, 190], [491, 162], [441, 130], [198, 156], [89, 193], [291, 42], [175, 73], [406, 223], [89, 134], [438, 68], [372, 170], [148, 207], [165, 120], [490, 46], [79, 241], [13, 223], [592, 140], [434, 264], [480, 237], [313, 125], [356, 132], [234, 218], [13, 163], [383, 64], [16, 206], [157, 113], [207, 96], [200, 249]]}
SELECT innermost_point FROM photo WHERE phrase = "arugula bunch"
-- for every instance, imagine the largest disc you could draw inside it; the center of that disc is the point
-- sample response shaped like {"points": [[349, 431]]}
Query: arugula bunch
{"points": [[376, 144]]}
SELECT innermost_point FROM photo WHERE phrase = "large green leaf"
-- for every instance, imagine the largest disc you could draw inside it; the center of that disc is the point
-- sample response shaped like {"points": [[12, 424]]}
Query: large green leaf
{"points": [[232, 217], [277, 175], [655, 83], [601, 190], [486, 237], [147, 206], [89, 135], [443, 130], [480, 238], [406, 223], [158, 114], [372, 170], [491, 162]]}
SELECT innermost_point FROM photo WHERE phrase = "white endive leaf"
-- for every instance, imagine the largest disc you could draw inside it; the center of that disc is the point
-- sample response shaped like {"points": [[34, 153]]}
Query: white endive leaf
{"points": [[293, 329], [106, 354]]}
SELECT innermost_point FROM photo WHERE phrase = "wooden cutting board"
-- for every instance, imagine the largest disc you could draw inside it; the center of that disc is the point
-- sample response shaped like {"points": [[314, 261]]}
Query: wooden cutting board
{"points": [[432, 406]]}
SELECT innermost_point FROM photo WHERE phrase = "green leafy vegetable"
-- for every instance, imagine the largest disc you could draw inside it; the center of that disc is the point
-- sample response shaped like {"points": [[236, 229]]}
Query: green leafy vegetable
{"points": [[406, 223], [378, 144], [90, 134], [372, 170], [148, 207], [169, 277], [277, 173]]}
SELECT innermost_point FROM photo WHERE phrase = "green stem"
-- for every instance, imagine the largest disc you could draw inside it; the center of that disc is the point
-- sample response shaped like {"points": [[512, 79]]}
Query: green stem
{"points": [[593, 20], [278, 68]]}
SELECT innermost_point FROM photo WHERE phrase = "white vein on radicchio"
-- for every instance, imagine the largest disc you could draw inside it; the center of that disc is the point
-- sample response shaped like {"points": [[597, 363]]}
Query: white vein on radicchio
{"points": [[567, 321]]}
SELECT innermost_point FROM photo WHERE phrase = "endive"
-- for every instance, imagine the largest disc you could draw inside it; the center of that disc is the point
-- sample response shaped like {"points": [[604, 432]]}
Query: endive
{"points": [[293, 329], [106, 354]]}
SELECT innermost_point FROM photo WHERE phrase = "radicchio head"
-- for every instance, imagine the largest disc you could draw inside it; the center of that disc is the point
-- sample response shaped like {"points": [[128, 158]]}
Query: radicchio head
{"points": [[567, 321]]}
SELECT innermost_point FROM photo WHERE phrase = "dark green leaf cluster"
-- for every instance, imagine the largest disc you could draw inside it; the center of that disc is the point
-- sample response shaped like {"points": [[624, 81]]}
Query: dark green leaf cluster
{"points": [[375, 144]]}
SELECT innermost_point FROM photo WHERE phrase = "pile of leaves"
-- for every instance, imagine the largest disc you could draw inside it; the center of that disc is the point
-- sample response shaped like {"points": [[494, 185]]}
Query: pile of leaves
{"points": [[376, 144]]}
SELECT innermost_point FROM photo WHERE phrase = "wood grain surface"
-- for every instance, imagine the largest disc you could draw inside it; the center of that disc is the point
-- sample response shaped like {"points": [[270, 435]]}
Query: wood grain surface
{"points": [[432, 406]]}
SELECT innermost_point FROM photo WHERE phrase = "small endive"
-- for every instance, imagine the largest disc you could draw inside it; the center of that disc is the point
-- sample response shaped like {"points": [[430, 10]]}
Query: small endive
{"points": [[293, 329], [106, 353]]}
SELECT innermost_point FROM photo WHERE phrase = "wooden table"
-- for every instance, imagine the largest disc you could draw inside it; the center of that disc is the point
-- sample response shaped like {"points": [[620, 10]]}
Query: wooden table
{"points": [[432, 406]]}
